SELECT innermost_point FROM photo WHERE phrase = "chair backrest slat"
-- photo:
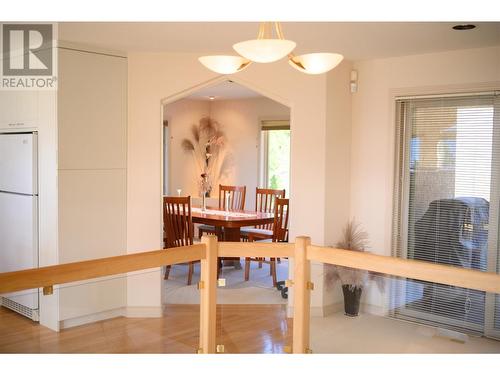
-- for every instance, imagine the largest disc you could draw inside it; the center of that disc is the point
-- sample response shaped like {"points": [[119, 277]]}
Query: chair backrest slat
{"points": [[280, 226], [236, 197], [177, 221], [265, 200]]}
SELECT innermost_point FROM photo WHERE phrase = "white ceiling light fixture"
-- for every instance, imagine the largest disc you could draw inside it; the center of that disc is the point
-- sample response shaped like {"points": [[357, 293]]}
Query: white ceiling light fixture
{"points": [[270, 48], [315, 63], [266, 49], [224, 64]]}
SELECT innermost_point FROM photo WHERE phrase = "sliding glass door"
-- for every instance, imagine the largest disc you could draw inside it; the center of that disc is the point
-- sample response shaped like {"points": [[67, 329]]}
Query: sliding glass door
{"points": [[446, 207]]}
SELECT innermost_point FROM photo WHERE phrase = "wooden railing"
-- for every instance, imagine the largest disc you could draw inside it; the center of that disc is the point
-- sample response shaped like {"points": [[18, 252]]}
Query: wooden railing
{"points": [[210, 249], [78, 271], [413, 269]]}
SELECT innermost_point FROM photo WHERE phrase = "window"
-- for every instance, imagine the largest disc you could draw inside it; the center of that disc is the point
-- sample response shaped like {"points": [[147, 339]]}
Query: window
{"points": [[275, 155], [447, 205]]}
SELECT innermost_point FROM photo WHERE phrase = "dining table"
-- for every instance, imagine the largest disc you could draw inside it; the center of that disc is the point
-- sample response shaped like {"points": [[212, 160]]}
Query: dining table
{"points": [[228, 223]]}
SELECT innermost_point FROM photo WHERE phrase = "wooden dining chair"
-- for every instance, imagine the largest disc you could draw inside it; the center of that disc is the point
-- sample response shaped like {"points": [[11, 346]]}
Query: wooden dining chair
{"points": [[264, 202], [280, 234], [236, 202], [178, 227], [236, 197]]}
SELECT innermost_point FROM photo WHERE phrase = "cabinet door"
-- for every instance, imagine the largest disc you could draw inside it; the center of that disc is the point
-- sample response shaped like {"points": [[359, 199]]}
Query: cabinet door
{"points": [[92, 107], [18, 109]]}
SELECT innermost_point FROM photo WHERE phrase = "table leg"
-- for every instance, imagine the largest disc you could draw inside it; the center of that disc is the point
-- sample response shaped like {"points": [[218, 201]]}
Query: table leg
{"points": [[233, 235]]}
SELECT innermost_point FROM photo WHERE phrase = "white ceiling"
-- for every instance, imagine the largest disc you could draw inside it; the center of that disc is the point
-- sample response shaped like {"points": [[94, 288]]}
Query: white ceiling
{"points": [[224, 90], [355, 40]]}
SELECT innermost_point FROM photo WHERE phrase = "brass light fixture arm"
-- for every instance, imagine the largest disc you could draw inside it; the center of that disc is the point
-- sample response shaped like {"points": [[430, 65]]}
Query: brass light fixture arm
{"points": [[279, 31], [281, 35], [266, 30], [262, 30]]}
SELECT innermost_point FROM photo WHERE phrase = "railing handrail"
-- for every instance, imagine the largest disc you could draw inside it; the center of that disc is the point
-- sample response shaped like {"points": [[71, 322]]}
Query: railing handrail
{"points": [[410, 268], [90, 269], [415, 269]]}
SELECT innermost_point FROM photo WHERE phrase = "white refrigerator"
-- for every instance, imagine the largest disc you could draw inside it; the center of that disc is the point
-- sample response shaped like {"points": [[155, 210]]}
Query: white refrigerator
{"points": [[19, 215]]}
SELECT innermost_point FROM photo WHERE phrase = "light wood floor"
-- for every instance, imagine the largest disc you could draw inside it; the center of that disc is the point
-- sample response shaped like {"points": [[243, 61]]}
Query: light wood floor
{"points": [[241, 328]]}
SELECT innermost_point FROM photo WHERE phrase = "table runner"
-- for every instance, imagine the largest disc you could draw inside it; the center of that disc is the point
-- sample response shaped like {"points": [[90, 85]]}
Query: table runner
{"points": [[222, 213]]}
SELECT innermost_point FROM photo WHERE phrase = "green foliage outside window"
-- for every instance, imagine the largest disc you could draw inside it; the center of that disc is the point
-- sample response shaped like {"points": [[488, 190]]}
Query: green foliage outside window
{"points": [[278, 161]]}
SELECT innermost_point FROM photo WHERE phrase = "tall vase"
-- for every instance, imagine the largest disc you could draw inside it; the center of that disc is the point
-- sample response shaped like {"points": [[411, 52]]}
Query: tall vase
{"points": [[352, 297]]}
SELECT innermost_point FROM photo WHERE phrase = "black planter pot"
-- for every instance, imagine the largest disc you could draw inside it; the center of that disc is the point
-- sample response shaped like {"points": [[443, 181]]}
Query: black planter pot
{"points": [[352, 296]]}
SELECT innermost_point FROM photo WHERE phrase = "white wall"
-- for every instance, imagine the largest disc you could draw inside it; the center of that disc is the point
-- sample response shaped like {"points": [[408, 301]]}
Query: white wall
{"points": [[338, 149], [320, 136], [181, 116], [373, 127], [240, 121], [156, 76], [364, 154], [338, 164], [242, 124]]}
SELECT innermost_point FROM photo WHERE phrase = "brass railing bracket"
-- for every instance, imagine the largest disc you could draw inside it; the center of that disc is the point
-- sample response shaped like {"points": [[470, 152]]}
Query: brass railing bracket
{"points": [[310, 285], [308, 351], [201, 285], [288, 283], [287, 349], [220, 348], [48, 290]]}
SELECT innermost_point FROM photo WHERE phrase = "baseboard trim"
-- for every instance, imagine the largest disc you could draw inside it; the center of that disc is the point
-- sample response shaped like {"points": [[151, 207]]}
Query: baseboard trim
{"points": [[91, 318], [143, 312], [127, 312]]}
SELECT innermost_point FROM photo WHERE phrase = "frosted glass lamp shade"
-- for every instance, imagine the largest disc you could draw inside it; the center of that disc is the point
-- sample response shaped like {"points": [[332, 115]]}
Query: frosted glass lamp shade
{"points": [[316, 63], [264, 50], [224, 64]]}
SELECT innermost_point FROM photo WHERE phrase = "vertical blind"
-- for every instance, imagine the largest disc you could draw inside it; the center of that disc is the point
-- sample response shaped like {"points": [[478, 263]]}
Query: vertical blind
{"points": [[447, 204]]}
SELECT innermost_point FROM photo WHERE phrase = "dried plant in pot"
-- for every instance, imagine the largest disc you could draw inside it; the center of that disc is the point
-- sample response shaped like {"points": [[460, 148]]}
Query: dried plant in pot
{"points": [[352, 280], [208, 148]]}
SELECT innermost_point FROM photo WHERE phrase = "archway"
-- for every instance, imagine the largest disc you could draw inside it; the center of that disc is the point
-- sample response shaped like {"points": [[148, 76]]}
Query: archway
{"points": [[242, 111]]}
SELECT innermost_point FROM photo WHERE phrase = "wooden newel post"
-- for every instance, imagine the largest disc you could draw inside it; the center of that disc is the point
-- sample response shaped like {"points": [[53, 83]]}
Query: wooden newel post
{"points": [[208, 296], [302, 297]]}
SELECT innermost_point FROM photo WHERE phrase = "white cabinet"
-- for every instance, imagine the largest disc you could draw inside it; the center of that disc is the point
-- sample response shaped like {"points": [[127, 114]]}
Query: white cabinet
{"points": [[92, 110], [92, 177], [18, 109]]}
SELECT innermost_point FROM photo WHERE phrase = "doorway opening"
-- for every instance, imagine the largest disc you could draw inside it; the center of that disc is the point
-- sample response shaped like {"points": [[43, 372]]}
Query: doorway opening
{"points": [[238, 137]]}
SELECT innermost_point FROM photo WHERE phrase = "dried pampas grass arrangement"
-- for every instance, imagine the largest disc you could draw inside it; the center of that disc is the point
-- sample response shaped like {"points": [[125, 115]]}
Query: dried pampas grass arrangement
{"points": [[209, 152], [353, 237], [356, 239]]}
